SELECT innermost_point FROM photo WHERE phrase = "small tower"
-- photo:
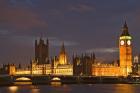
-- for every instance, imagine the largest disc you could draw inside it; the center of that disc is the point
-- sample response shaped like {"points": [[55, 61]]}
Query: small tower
{"points": [[63, 56], [125, 48]]}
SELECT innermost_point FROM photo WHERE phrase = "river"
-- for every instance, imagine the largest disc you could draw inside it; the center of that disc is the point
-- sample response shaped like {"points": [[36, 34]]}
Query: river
{"points": [[79, 88]]}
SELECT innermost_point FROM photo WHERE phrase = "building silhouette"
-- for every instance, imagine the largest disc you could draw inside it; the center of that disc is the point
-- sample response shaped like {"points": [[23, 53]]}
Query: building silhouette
{"points": [[42, 51], [83, 65]]}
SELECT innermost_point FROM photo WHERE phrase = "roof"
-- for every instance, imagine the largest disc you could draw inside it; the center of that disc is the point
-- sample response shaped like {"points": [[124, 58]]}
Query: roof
{"points": [[125, 30]]}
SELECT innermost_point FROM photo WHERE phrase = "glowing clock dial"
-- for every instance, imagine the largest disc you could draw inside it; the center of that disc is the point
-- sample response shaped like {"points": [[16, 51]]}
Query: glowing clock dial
{"points": [[128, 42], [122, 42]]}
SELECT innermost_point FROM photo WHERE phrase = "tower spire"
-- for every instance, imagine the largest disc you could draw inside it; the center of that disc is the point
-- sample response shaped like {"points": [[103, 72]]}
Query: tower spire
{"points": [[63, 55], [62, 48], [125, 30], [125, 25]]}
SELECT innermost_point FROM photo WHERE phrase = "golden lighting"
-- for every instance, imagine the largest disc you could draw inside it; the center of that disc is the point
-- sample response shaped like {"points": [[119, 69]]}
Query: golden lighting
{"points": [[13, 89], [23, 72], [35, 89], [23, 83], [56, 84], [56, 81], [124, 88], [56, 78], [23, 79], [125, 37], [62, 59]]}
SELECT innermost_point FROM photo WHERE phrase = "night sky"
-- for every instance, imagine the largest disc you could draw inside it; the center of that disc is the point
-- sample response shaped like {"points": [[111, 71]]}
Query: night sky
{"points": [[83, 25]]}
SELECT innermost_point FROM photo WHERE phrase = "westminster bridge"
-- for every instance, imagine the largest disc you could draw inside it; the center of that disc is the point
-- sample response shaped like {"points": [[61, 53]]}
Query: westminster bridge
{"points": [[49, 79]]}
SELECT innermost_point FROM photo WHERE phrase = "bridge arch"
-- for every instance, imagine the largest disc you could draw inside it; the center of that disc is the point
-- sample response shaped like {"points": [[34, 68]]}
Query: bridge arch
{"points": [[23, 79], [56, 79]]}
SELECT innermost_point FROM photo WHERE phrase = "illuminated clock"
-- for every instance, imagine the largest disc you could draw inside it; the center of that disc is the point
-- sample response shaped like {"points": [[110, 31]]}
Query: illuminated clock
{"points": [[122, 42], [128, 42]]}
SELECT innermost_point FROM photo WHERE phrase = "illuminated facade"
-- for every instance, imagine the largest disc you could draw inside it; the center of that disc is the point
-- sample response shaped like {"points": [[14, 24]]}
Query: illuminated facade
{"points": [[83, 65], [58, 70], [25, 71], [99, 69], [49, 69], [40, 69], [124, 68], [58, 66], [125, 47], [12, 69], [63, 56]]}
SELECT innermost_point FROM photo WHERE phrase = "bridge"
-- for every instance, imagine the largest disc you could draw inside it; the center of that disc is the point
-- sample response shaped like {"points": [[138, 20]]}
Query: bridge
{"points": [[48, 79], [43, 79]]}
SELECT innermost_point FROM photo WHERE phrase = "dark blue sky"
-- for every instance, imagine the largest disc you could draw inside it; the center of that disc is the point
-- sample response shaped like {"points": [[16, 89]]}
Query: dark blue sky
{"points": [[84, 26]]}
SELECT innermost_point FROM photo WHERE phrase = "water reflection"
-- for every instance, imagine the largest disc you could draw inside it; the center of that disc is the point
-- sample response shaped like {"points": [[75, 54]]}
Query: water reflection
{"points": [[13, 89], [78, 88], [124, 88], [35, 89], [23, 83], [56, 84], [61, 89], [67, 89], [24, 89]]}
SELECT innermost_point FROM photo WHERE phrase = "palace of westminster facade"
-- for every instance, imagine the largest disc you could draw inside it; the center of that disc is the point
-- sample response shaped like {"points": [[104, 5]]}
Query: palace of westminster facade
{"points": [[81, 65]]}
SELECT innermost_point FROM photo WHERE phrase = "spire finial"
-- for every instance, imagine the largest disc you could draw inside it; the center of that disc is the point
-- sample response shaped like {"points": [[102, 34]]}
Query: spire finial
{"points": [[125, 24]]}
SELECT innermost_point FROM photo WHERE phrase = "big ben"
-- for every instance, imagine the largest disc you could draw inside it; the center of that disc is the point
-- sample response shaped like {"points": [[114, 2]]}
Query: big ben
{"points": [[125, 48]]}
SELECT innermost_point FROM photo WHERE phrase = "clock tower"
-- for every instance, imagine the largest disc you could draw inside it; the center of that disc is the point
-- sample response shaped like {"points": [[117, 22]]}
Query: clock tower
{"points": [[125, 48]]}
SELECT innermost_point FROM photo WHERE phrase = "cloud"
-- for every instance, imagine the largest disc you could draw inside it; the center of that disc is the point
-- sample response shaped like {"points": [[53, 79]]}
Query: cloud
{"points": [[57, 42], [21, 2], [82, 8], [54, 41], [19, 19], [69, 8], [4, 32], [103, 50], [56, 12]]}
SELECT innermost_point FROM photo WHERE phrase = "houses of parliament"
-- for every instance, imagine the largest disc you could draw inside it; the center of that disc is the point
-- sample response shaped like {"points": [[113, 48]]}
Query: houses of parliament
{"points": [[83, 65]]}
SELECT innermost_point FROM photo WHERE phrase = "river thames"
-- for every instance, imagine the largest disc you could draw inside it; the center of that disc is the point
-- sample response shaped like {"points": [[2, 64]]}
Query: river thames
{"points": [[79, 88]]}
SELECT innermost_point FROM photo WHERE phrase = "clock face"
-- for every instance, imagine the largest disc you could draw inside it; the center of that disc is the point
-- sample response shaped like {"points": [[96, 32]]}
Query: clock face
{"points": [[122, 42], [128, 42]]}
